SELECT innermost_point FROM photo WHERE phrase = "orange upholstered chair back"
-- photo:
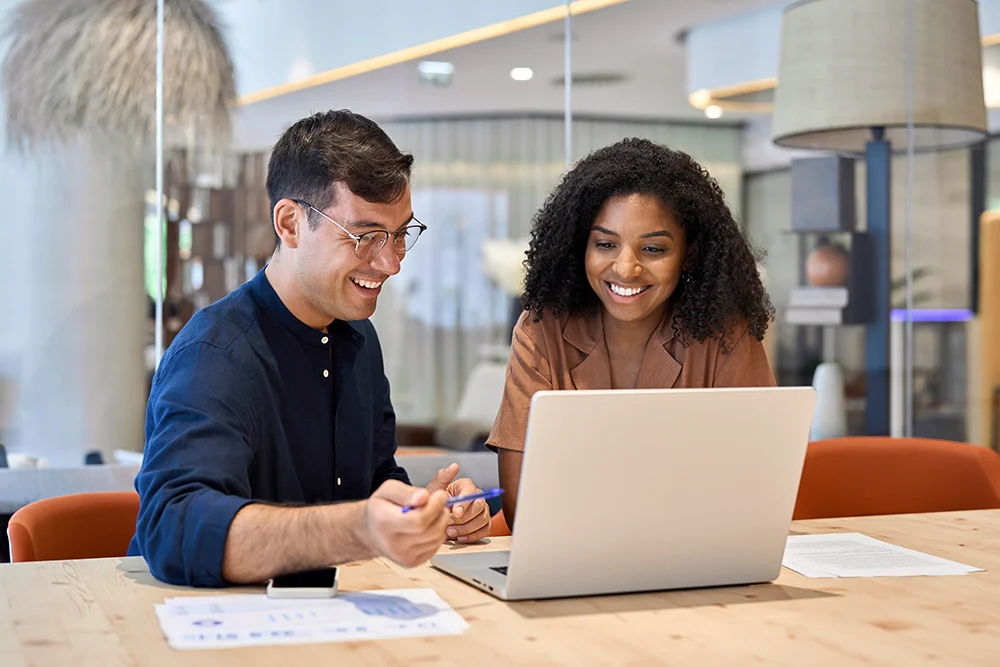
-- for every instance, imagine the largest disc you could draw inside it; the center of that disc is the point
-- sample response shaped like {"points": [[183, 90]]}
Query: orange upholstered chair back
{"points": [[498, 525], [863, 476], [82, 525]]}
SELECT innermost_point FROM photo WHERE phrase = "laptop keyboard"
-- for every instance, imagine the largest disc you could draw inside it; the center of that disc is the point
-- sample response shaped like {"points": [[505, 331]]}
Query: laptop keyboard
{"points": [[502, 570]]}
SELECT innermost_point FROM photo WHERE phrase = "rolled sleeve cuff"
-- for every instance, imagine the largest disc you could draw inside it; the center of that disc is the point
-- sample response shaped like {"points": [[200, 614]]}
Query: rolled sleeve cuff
{"points": [[210, 539], [202, 545]]}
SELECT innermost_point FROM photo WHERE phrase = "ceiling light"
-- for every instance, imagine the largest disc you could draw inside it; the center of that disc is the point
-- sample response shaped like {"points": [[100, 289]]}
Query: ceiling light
{"points": [[521, 73], [435, 67], [435, 72], [713, 111], [700, 98]]}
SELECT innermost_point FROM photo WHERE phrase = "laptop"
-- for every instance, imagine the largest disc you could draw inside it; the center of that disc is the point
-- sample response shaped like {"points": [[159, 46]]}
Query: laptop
{"points": [[649, 489]]}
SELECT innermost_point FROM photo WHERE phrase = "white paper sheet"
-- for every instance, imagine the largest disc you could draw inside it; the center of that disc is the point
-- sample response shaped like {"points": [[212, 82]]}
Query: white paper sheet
{"points": [[857, 555], [228, 621]]}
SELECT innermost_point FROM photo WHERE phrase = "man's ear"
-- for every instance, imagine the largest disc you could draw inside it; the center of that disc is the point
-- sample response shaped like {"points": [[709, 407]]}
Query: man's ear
{"points": [[289, 217]]}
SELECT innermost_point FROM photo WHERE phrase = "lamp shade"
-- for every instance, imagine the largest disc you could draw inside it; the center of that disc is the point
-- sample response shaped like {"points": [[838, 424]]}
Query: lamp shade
{"points": [[843, 71], [90, 67]]}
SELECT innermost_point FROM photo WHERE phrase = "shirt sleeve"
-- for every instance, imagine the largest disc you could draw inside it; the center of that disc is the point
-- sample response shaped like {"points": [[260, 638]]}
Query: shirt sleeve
{"points": [[385, 420], [195, 471], [745, 366], [528, 372]]}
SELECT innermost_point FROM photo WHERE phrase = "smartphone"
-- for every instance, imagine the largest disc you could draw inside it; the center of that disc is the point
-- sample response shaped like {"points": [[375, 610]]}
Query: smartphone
{"points": [[320, 583]]}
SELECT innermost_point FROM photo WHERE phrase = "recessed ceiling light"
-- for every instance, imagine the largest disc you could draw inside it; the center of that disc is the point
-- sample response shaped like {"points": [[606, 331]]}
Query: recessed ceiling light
{"points": [[435, 67], [435, 72], [713, 111], [521, 73]]}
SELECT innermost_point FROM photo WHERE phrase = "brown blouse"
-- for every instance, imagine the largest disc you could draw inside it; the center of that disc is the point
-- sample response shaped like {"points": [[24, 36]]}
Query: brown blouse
{"points": [[568, 352]]}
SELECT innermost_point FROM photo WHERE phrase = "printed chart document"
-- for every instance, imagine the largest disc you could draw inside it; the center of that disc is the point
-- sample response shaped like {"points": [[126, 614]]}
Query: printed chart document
{"points": [[857, 555], [228, 621]]}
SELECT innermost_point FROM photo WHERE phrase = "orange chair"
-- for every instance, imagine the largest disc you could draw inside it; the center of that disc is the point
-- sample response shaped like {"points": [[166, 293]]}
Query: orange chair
{"points": [[498, 525], [863, 476], [82, 525]]}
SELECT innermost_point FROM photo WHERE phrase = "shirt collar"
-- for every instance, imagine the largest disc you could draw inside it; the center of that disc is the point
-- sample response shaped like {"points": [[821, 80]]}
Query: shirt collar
{"points": [[341, 332], [586, 333]]}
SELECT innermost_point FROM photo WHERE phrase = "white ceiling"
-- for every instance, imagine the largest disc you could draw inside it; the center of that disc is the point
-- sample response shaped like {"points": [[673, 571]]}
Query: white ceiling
{"points": [[637, 39]]}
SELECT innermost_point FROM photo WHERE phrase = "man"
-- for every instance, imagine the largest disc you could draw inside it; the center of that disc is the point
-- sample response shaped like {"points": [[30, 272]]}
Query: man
{"points": [[270, 437]]}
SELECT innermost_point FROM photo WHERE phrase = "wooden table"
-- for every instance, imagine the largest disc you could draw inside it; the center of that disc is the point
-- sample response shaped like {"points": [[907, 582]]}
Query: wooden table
{"points": [[100, 612]]}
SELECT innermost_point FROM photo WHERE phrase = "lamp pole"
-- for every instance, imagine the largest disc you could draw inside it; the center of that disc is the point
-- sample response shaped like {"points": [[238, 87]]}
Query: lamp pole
{"points": [[878, 178]]}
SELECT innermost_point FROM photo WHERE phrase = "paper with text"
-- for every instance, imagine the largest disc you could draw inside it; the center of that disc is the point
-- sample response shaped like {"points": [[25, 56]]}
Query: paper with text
{"points": [[857, 555]]}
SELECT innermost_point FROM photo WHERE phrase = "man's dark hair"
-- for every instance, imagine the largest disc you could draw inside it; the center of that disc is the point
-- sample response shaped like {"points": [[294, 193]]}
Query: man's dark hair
{"points": [[332, 146], [723, 285]]}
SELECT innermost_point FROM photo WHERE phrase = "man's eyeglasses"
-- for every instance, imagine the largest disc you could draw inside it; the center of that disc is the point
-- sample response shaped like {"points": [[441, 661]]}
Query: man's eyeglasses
{"points": [[370, 244]]}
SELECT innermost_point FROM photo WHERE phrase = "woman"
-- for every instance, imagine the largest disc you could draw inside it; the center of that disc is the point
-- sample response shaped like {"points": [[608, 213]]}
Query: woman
{"points": [[638, 276]]}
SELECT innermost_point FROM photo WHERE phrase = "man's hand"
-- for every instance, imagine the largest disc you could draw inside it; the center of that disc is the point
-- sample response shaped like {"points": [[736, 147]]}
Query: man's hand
{"points": [[469, 522], [407, 539]]}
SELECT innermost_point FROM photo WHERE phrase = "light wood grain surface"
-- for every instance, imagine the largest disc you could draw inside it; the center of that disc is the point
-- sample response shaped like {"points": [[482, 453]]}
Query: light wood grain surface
{"points": [[100, 612]]}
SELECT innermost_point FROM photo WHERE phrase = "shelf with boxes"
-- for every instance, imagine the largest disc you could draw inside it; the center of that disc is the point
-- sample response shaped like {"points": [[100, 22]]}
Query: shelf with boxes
{"points": [[837, 273], [838, 287]]}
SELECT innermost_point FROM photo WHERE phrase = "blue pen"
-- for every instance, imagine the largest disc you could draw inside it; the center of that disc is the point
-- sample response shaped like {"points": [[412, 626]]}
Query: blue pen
{"points": [[491, 493]]}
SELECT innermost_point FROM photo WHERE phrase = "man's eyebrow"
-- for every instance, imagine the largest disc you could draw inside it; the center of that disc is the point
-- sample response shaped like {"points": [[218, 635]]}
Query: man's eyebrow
{"points": [[370, 225], [364, 225]]}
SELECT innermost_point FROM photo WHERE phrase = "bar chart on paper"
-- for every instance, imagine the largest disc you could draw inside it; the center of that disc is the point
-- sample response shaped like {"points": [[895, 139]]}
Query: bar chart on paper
{"points": [[229, 621]]}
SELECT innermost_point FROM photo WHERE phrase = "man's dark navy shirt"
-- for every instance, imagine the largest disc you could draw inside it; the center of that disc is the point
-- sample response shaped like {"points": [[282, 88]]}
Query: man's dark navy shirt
{"points": [[251, 405]]}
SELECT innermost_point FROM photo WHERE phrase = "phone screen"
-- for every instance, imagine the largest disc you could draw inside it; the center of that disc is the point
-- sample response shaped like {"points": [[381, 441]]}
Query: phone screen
{"points": [[322, 578]]}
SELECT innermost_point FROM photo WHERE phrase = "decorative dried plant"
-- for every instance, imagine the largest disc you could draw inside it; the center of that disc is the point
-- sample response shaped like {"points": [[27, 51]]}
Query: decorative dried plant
{"points": [[88, 67]]}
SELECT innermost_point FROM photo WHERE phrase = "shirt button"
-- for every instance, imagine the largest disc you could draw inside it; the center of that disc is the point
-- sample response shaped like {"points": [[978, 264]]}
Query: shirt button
{"points": [[325, 340], [326, 373], [338, 481]]}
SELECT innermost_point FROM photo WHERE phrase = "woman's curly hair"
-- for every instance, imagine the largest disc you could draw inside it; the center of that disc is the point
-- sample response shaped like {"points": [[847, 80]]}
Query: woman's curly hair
{"points": [[723, 286]]}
